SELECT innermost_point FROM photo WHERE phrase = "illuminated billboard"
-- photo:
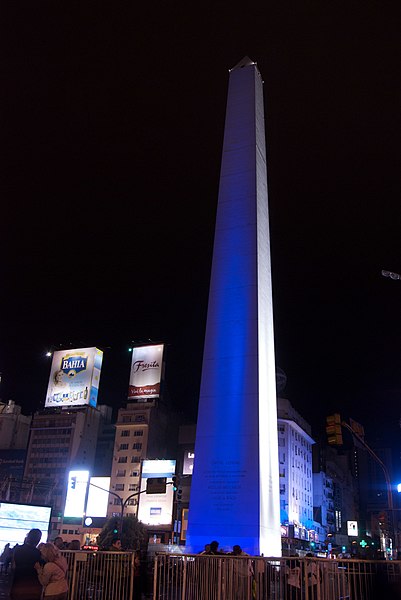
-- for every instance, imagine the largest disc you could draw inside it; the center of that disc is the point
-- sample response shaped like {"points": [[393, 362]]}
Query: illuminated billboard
{"points": [[74, 377], [16, 520], [76, 493], [98, 496], [188, 467], [146, 373], [352, 528], [156, 509]]}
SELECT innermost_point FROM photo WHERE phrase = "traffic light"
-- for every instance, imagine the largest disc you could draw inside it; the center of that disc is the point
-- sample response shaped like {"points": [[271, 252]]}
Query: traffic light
{"points": [[383, 521], [115, 526], [333, 430], [175, 483], [179, 494]]}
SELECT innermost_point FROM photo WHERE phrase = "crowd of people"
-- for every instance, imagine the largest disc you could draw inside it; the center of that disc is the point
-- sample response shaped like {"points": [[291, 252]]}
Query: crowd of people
{"points": [[39, 570], [213, 549]]}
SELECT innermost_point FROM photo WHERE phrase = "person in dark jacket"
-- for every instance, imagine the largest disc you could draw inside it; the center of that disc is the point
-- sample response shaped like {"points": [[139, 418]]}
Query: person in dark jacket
{"points": [[26, 585]]}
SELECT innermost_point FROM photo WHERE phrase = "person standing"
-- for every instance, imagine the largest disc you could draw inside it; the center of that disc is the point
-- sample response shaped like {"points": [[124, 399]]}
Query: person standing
{"points": [[115, 545], [53, 575], [26, 585]]}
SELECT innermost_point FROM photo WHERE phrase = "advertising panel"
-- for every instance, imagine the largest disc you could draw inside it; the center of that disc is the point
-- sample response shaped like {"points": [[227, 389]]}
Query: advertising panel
{"points": [[16, 520], [98, 498], [156, 509], [188, 466], [74, 377], [352, 528], [76, 493], [146, 372]]}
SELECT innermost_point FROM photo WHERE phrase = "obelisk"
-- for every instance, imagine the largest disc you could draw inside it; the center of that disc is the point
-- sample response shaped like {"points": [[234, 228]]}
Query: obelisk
{"points": [[235, 484]]}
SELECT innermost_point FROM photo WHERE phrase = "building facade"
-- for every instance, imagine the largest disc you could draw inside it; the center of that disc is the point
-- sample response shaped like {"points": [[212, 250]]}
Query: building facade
{"points": [[14, 427], [142, 431], [295, 468], [61, 440]]}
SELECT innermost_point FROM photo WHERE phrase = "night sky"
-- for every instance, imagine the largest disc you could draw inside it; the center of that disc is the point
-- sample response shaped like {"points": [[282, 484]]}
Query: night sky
{"points": [[112, 122]]}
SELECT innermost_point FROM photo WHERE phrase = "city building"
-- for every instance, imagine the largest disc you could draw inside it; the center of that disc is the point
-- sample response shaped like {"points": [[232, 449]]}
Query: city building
{"points": [[143, 431], [14, 436], [335, 497], [105, 443], [376, 522], [323, 506], [14, 427], [61, 440], [296, 482]]}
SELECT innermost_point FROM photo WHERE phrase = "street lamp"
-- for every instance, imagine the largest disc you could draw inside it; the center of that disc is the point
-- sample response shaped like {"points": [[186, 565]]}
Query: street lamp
{"points": [[391, 275]]}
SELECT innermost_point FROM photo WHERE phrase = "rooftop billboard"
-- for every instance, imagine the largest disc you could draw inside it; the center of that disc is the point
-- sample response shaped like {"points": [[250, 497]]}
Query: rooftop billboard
{"points": [[146, 373], [74, 377]]}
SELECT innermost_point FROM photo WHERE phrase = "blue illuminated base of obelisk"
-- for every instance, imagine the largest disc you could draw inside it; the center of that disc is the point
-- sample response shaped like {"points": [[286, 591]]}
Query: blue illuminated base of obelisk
{"points": [[235, 484]]}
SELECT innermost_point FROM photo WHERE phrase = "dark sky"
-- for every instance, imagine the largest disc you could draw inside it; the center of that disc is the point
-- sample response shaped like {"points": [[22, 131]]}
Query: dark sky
{"points": [[111, 137]]}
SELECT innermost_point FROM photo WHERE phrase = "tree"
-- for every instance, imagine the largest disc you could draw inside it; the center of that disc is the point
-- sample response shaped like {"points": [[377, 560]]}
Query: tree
{"points": [[132, 536]]}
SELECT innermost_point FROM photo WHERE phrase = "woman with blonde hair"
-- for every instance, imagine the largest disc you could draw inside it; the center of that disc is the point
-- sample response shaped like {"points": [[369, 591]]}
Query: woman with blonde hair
{"points": [[53, 575]]}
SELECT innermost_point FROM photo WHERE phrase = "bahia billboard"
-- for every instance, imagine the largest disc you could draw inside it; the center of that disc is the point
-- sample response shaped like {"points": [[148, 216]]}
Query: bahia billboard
{"points": [[74, 377], [146, 373]]}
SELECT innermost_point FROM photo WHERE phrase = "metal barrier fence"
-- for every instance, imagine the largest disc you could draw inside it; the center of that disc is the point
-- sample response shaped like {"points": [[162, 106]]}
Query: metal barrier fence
{"points": [[100, 575], [227, 577]]}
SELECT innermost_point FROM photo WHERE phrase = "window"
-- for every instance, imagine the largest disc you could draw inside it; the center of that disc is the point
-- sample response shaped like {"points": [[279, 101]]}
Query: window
{"points": [[135, 474], [136, 459], [121, 473], [138, 433], [125, 433], [116, 501], [133, 487], [123, 446], [126, 419], [132, 502], [140, 419], [119, 488], [122, 459], [137, 446]]}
